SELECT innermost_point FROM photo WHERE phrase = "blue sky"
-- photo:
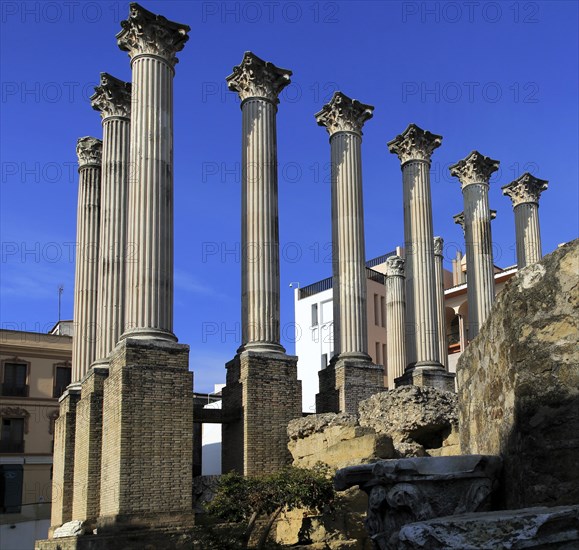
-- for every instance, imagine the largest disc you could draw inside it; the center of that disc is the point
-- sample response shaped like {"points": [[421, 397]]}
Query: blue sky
{"points": [[500, 77]]}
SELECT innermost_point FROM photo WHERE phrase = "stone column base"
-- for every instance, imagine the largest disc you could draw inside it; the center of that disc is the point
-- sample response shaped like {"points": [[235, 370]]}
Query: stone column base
{"points": [[63, 459], [347, 381], [147, 433], [88, 444], [262, 395], [431, 377]]}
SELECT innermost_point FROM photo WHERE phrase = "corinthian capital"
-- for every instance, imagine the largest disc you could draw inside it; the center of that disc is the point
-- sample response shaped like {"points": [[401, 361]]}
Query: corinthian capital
{"points": [[526, 188], [112, 97], [343, 114], [475, 168], [254, 77], [459, 219], [394, 266], [438, 245], [147, 33], [414, 144], [88, 151]]}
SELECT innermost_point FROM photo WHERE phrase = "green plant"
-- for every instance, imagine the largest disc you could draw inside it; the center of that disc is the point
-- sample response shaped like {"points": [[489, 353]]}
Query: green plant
{"points": [[246, 499]]}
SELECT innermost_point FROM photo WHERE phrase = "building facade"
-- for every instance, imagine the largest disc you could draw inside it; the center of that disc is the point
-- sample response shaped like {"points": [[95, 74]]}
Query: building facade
{"points": [[35, 369]]}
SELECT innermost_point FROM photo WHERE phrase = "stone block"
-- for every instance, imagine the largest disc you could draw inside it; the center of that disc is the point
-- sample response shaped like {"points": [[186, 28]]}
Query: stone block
{"points": [[336, 440], [539, 528]]}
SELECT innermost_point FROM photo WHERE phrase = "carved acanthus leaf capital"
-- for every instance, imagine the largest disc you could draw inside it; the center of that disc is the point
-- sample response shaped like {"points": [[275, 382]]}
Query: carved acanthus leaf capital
{"points": [[459, 219], [145, 33], [254, 77], [89, 151], [414, 144], [438, 245], [526, 188], [394, 266], [343, 114], [112, 97], [475, 168]]}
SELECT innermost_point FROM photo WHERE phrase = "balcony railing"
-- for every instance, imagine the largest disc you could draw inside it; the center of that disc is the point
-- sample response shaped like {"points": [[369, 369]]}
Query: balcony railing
{"points": [[10, 446], [9, 390]]}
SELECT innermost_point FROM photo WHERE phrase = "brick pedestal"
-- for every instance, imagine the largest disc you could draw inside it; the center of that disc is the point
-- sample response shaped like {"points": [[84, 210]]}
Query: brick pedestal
{"points": [[261, 396], [63, 459], [427, 377], [147, 460], [87, 452], [345, 382]]}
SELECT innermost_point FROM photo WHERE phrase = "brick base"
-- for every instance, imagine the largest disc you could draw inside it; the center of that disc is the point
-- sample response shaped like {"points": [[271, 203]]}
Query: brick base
{"points": [[429, 377], [147, 459], [345, 382], [88, 443], [262, 395], [63, 458]]}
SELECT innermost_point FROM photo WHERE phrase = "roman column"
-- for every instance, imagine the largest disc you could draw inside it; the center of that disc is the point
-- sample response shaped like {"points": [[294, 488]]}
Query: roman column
{"points": [[414, 148], [152, 42], [395, 319], [343, 119], [147, 399], [258, 84], [113, 99], [474, 173], [89, 152], [525, 192], [440, 309], [262, 392]]}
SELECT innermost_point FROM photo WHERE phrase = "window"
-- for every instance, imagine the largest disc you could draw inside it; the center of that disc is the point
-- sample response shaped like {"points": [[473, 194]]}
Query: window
{"points": [[384, 356], [314, 315], [12, 435], [378, 349], [10, 488], [382, 311], [376, 311], [62, 375], [14, 382]]}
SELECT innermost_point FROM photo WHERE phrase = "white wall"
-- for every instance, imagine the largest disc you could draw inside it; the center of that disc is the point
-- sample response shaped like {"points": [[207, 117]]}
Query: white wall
{"points": [[211, 442], [312, 341]]}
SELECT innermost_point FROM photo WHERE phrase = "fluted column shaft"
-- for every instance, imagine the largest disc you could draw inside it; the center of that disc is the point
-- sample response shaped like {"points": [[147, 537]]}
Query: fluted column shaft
{"points": [[149, 307], [113, 99], [479, 255], [260, 225], [395, 319], [87, 257], [344, 118], [440, 307], [350, 271], [111, 308], [420, 281], [474, 173], [527, 234], [259, 84]]}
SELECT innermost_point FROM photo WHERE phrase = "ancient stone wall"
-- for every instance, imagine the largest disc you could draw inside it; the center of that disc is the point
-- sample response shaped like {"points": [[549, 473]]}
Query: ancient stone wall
{"points": [[519, 384]]}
